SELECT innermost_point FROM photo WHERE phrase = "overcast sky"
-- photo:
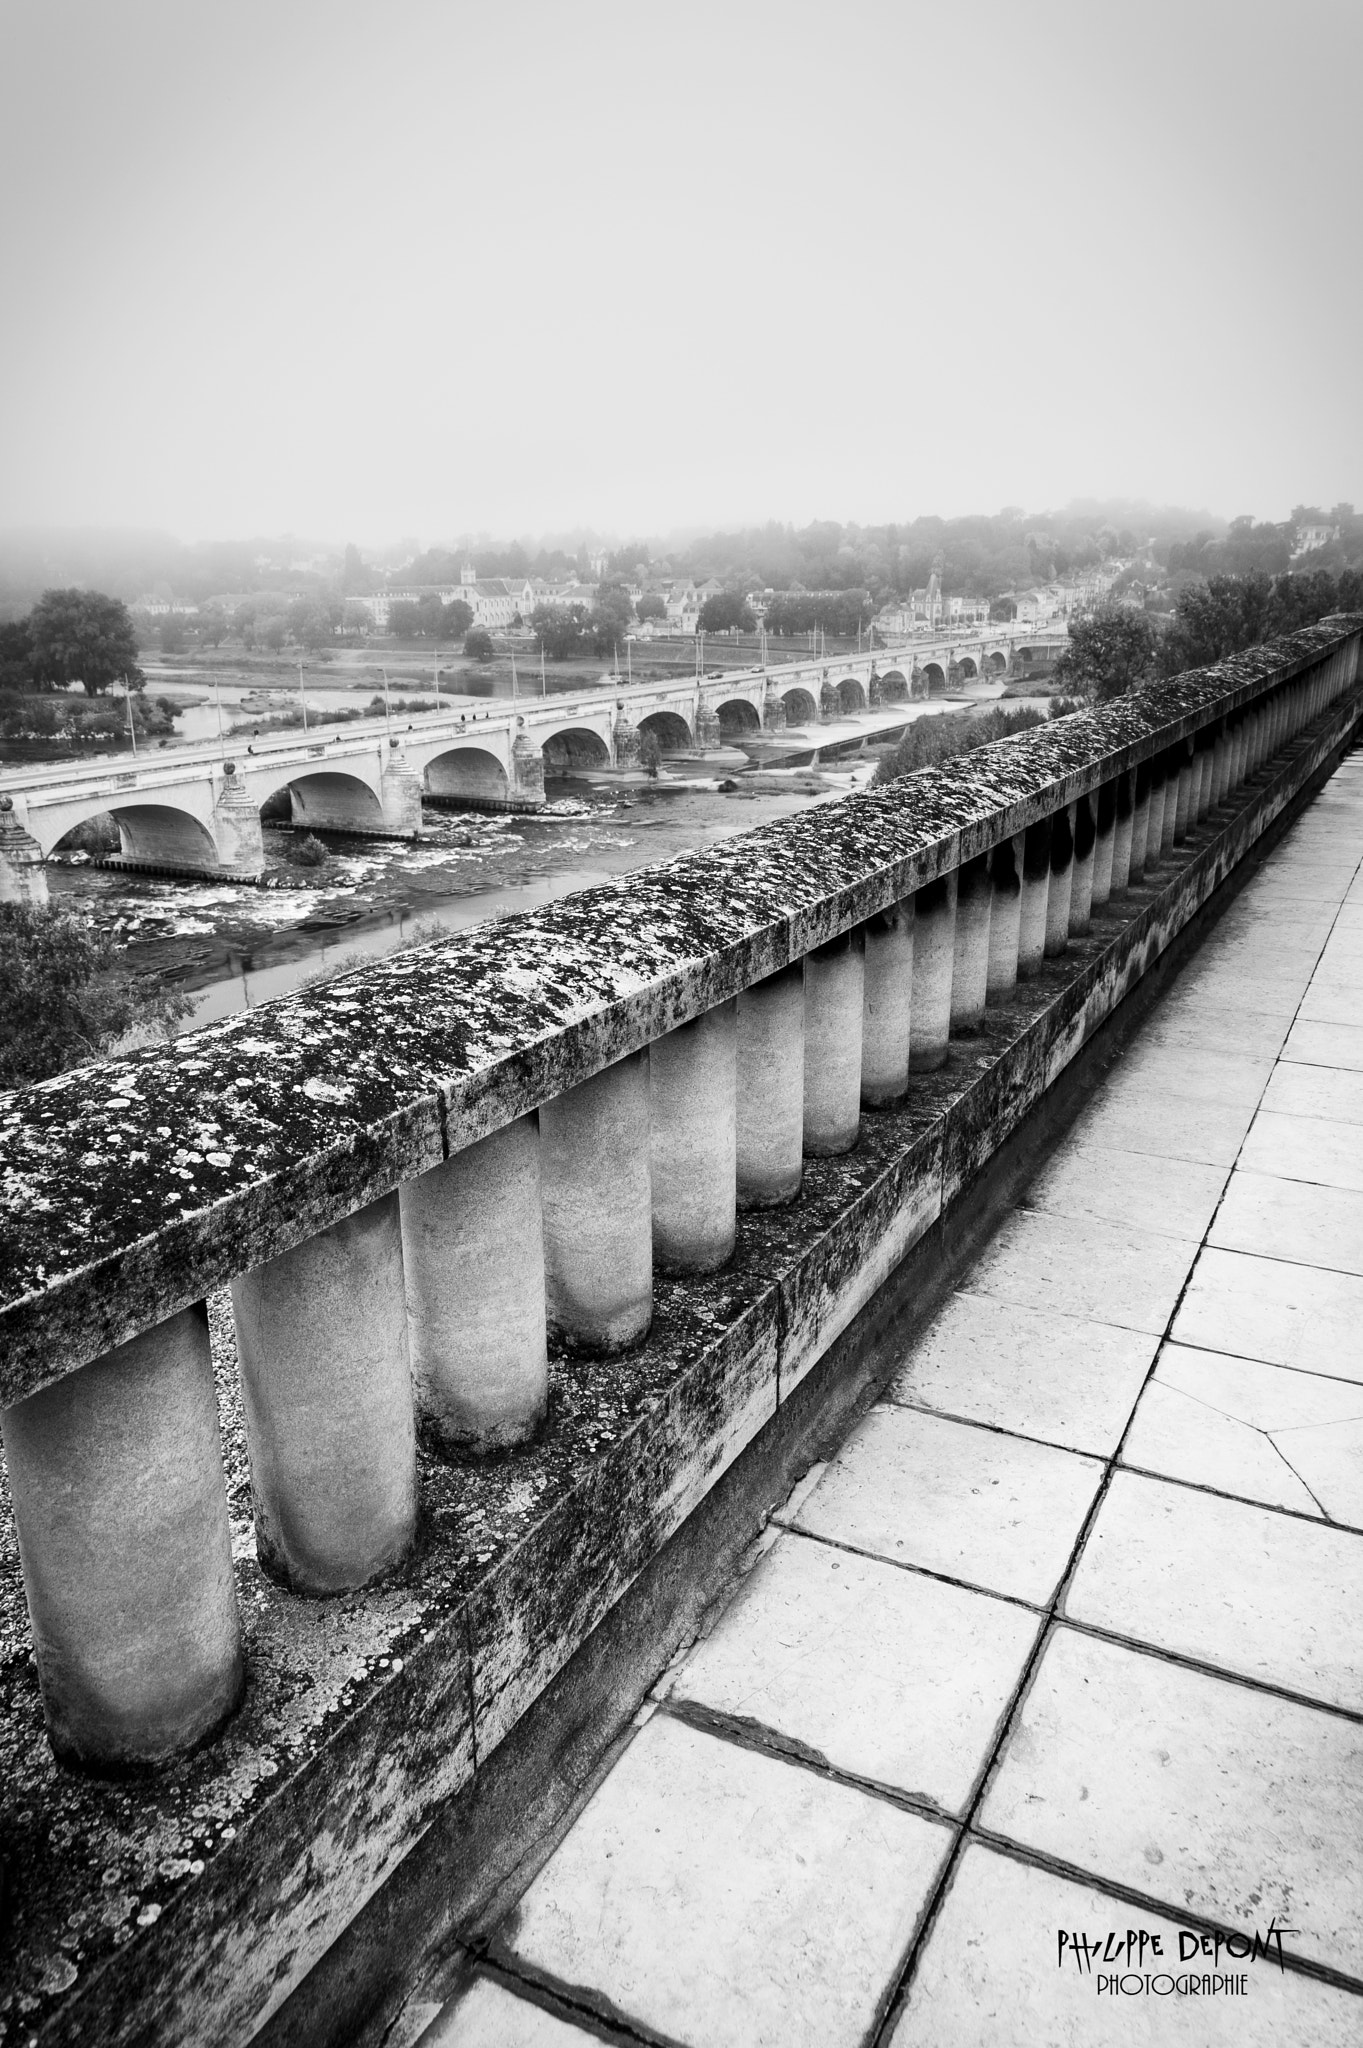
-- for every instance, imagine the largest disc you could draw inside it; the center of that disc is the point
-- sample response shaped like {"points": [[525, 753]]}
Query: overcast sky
{"points": [[425, 268]]}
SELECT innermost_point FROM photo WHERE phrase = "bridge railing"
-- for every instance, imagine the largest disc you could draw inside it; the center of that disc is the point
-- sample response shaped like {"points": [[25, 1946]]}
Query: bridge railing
{"points": [[420, 1177]]}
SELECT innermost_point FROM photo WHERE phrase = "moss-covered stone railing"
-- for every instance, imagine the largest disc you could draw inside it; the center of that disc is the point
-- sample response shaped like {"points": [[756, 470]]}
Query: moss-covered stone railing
{"points": [[424, 1181]]}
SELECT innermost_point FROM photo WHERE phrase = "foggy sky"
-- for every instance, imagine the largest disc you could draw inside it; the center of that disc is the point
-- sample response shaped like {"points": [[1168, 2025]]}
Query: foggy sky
{"points": [[361, 271]]}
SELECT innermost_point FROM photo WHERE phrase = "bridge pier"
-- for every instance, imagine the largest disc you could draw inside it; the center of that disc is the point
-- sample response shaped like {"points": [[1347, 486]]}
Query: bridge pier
{"points": [[708, 734], [527, 773], [236, 829], [23, 878], [627, 743], [773, 711]]}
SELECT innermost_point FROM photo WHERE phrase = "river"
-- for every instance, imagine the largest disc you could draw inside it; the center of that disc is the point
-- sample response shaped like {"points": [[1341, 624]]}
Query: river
{"points": [[233, 947]]}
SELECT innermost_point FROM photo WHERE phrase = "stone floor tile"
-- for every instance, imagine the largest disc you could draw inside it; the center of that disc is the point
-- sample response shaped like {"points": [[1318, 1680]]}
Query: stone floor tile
{"points": [[1249, 1428], [1206, 1796], [1207, 1073], [1112, 1273], [888, 1675], [1062, 1378], [1155, 1120], [728, 1900], [1197, 1022], [1269, 995], [1326, 1045], [487, 2015], [1329, 1457], [1261, 1594], [1335, 1094], [1330, 1002], [1304, 1148], [1287, 1219], [989, 1977], [1273, 1310], [996, 1511], [1179, 1436], [1176, 1200]]}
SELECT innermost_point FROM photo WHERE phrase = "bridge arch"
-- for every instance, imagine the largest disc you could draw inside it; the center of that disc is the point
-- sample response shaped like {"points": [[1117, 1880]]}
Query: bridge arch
{"points": [[934, 679], [736, 717], [997, 662], [670, 730], [968, 667], [851, 695], [571, 748], [160, 835], [800, 707], [329, 800], [150, 835], [466, 774], [894, 687]]}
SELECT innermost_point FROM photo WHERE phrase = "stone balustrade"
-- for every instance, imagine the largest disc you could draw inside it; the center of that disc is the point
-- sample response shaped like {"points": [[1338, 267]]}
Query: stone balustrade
{"points": [[417, 1179], [423, 1180]]}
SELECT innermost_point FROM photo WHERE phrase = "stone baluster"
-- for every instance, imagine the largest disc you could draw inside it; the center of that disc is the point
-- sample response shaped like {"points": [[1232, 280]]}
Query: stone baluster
{"points": [[1159, 794], [1122, 833], [1184, 800], [1170, 818], [770, 1090], [885, 1016], [1005, 919], [116, 1480], [473, 1257], [1081, 888], [1221, 763], [1036, 886], [1140, 824], [598, 1210], [692, 1095], [1104, 801], [326, 1385], [934, 955], [1061, 883], [1204, 761], [835, 996], [970, 950]]}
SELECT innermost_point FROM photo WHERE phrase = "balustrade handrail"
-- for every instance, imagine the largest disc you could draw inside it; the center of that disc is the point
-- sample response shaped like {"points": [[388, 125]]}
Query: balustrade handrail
{"points": [[133, 1186]]}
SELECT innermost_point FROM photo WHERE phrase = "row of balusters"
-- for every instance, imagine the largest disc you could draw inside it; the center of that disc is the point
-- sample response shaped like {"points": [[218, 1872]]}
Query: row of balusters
{"points": [[431, 1311]]}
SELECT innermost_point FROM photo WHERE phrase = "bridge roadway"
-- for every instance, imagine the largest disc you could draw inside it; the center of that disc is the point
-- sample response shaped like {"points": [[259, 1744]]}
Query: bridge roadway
{"points": [[1068, 1636], [196, 809]]}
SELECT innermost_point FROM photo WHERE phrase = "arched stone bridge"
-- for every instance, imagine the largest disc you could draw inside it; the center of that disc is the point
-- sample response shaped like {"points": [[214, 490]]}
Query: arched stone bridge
{"points": [[196, 810]]}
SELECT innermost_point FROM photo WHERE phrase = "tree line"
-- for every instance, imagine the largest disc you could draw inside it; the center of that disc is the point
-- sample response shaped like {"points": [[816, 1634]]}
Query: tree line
{"points": [[1116, 648]]}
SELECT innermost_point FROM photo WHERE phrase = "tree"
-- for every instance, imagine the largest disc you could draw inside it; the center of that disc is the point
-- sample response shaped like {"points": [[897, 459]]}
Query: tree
{"points": [[559, 629], [610, 616], [426, 618], [727, 612], [16, 655], [212, 625], [1110, 652], [82, 636], [68, 998], [171, 634], [478, 644], [652, 605]]}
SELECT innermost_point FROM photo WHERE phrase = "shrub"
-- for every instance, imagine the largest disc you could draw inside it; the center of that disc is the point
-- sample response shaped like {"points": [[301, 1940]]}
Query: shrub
{"points": [[930, 741]]}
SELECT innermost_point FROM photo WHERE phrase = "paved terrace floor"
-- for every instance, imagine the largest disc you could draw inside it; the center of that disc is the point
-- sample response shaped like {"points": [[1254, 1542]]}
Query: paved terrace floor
{"points": [[1067, 1636]]}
